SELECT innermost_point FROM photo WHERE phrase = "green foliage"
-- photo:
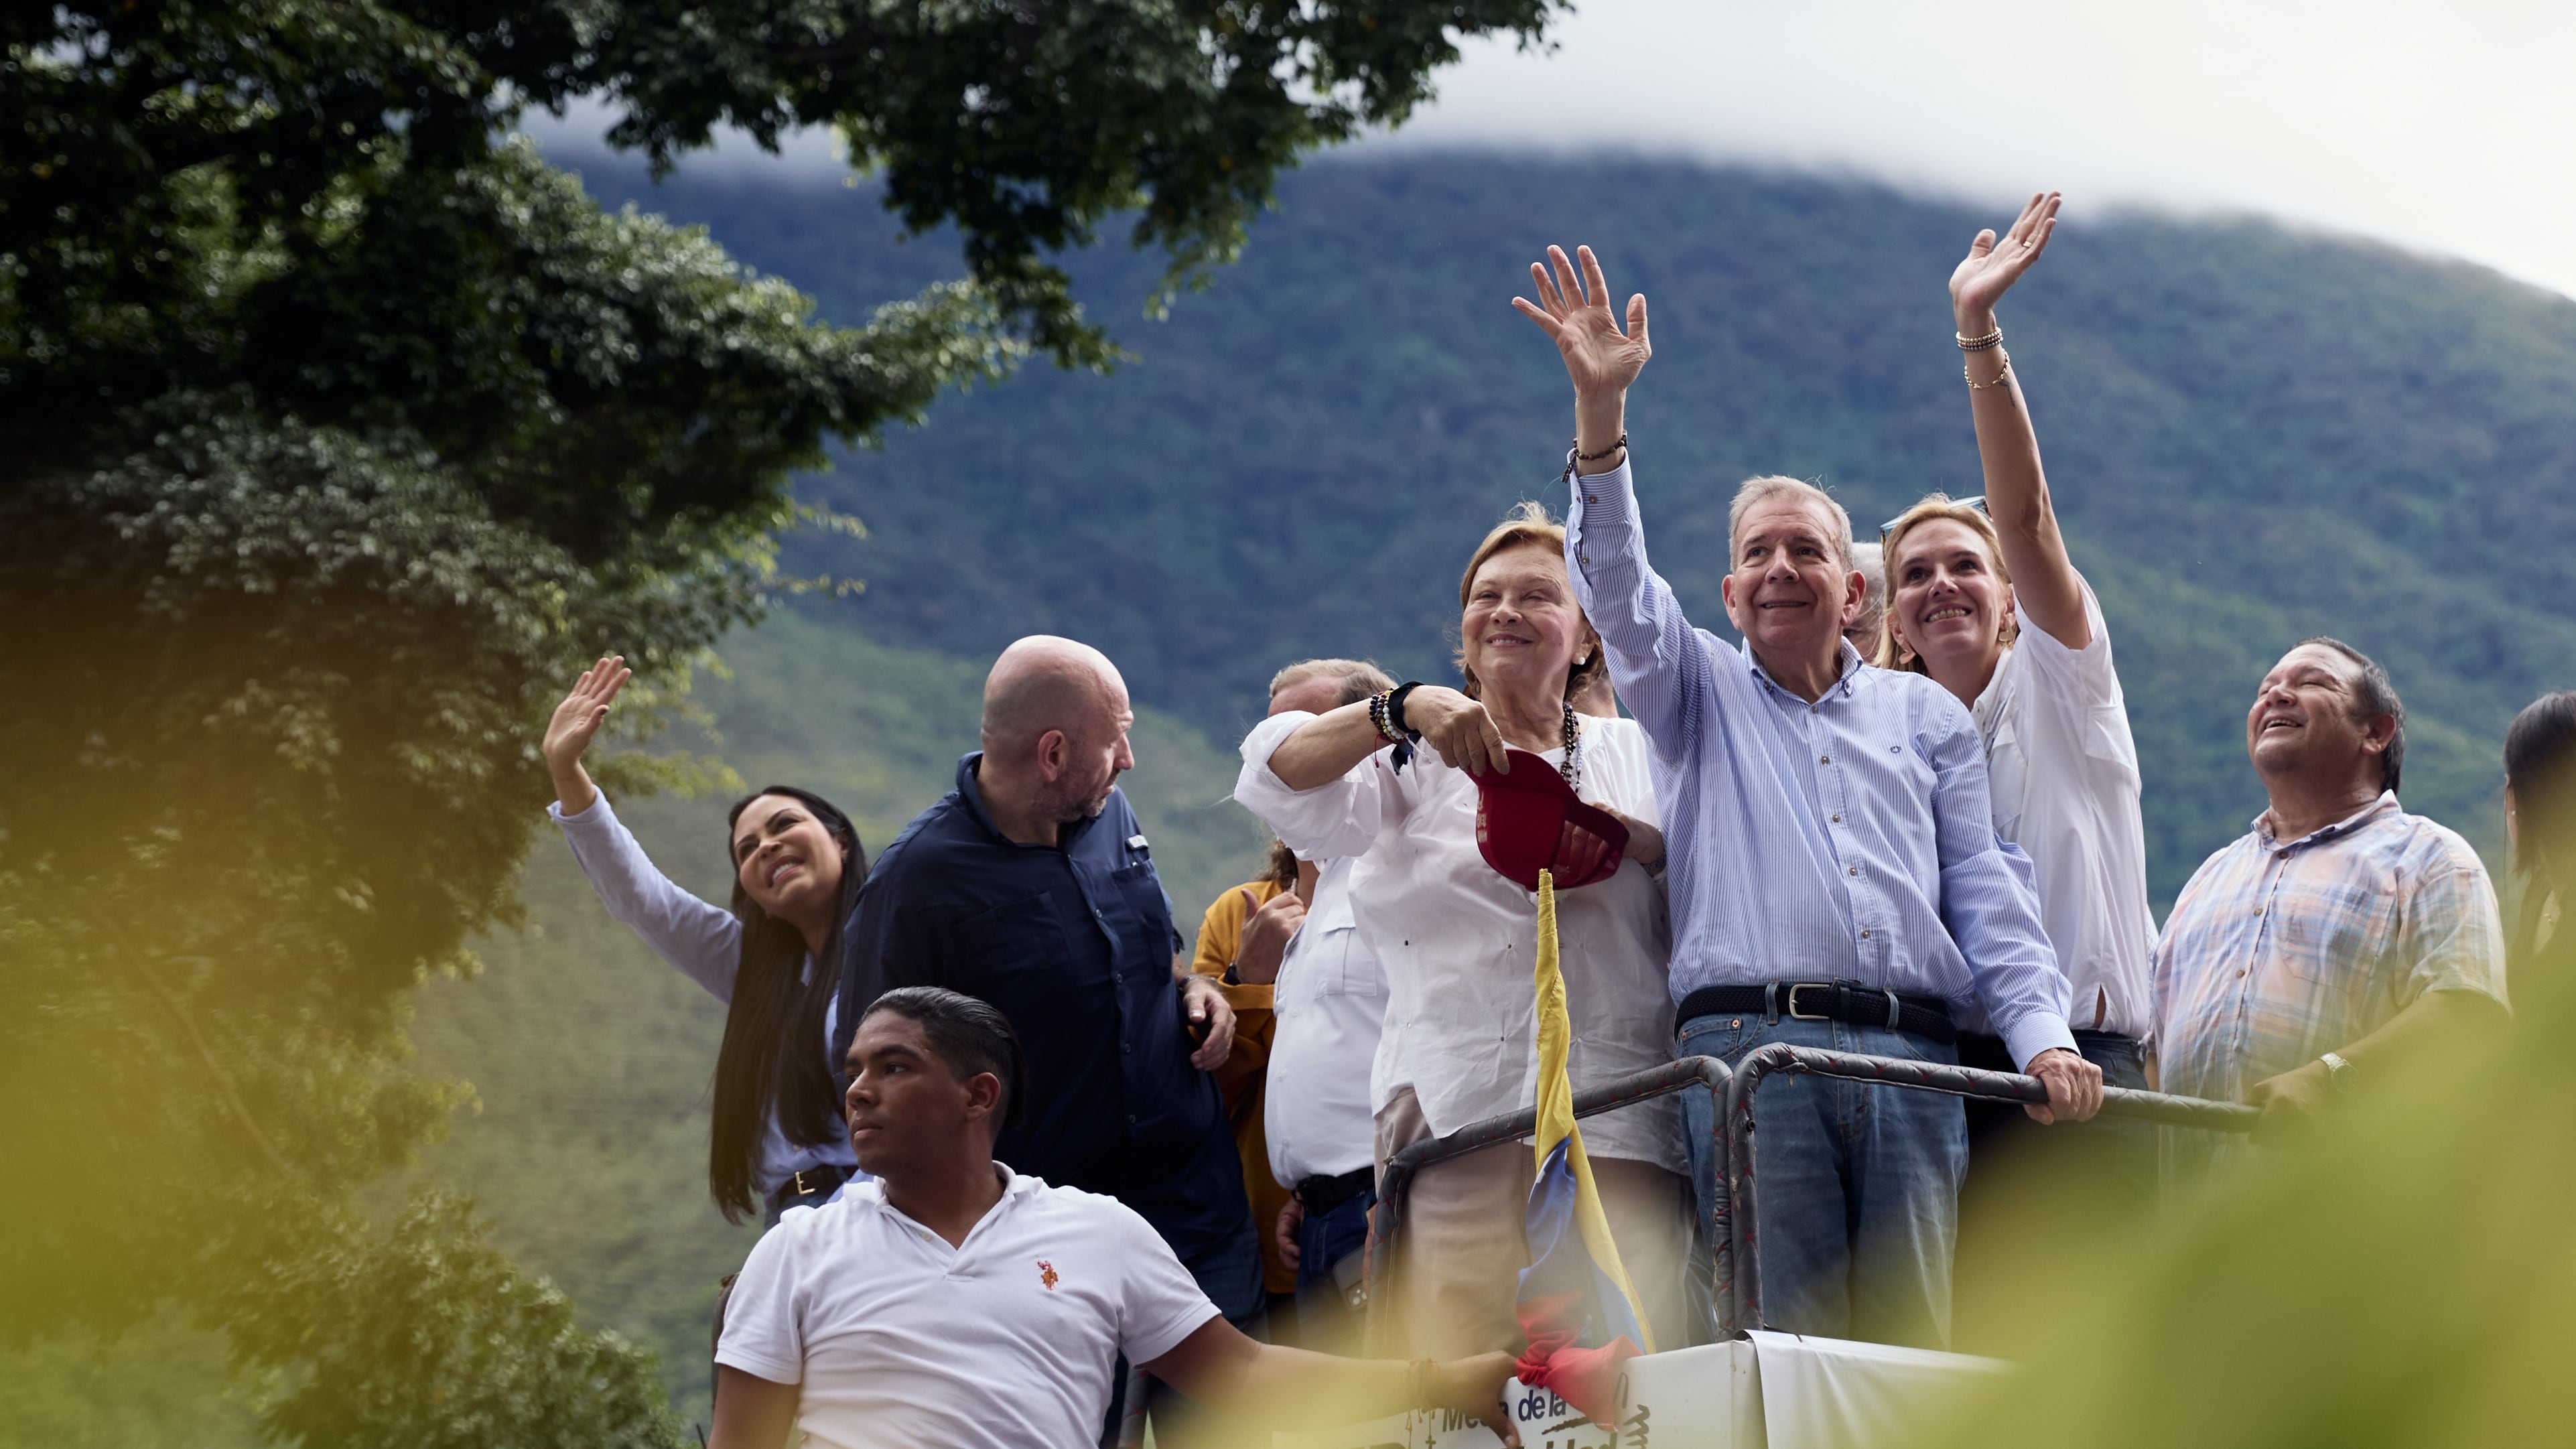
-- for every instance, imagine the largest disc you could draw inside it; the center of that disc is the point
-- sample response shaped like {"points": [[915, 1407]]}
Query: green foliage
{"points": [[2253, 434], [335, 427], [432, 1340], [1026, 127], [158, 1383], [2399, 1276]]}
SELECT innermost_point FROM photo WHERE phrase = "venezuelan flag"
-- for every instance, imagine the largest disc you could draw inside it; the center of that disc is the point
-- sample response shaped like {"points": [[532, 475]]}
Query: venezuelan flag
{"points": [[1576, 1307]]}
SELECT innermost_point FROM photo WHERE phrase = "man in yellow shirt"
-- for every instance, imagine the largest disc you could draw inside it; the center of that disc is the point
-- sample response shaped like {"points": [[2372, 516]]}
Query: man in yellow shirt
{"points": [[1241, 940]]}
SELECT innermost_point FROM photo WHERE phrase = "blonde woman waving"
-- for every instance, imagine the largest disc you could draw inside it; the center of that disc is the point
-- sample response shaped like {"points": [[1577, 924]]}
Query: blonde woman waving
{"points": [[1983, 598]]}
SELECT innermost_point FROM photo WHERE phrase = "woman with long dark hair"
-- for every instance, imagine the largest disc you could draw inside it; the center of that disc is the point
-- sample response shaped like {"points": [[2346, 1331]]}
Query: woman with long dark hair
{"points": [[778, 1140], [2540, 818]]}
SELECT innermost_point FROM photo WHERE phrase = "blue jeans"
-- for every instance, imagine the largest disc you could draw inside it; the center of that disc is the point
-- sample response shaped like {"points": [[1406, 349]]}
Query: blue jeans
{"points": [[2111, 1161], [1856, 1186], [1325, 1320], [1229, 1273]]}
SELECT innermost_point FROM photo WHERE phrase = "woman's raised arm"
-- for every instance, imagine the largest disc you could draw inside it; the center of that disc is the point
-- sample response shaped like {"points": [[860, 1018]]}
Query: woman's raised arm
{"points": [[575, 724], [2046, 592]]}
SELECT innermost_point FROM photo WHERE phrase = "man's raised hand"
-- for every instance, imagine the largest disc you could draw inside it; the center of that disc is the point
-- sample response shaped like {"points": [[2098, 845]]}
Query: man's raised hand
{"points": [[1600, 358], [1992, 266]]}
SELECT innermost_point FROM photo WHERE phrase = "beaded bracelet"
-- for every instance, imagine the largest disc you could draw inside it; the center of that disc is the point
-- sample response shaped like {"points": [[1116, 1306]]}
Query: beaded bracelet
{"points": [[1380, 715], [1583, 457], [1980, 344]]}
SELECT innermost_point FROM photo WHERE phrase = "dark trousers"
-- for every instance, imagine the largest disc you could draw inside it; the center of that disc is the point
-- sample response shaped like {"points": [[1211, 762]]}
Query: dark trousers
{"points": [[1327, 1321], [2030, 1187], [1229, 1273]]}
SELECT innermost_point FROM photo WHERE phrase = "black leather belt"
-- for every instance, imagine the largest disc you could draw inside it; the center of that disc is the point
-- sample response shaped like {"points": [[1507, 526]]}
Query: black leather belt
{"points": [[810, 1186], [1320, 1195], [1925, 1016]]}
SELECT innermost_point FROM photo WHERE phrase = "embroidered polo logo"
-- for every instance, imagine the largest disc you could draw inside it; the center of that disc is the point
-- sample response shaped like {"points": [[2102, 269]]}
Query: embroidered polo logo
{"points": [[1046, 1274]]}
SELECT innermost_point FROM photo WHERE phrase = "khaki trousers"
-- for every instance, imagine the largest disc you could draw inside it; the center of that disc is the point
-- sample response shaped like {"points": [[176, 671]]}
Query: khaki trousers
{"points": [[1461, 1249]]}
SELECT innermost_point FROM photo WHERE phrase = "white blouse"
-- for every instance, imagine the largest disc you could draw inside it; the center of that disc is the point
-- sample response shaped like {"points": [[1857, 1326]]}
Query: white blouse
{"points": [[704, 941], [2064, 773], [1458, 942]]}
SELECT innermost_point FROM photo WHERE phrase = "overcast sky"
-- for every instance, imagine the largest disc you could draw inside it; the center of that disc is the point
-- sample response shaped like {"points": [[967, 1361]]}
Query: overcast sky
{"points": [[2445, 127]]}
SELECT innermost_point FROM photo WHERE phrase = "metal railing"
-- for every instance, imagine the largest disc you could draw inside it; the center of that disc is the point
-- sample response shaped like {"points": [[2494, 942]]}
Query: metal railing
{"points": [[1736, 1282], [1740, 1301], [1386, 1218]]}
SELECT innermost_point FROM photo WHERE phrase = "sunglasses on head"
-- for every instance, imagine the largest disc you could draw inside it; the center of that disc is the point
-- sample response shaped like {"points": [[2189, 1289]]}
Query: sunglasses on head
{"points": [[1976, 501]]}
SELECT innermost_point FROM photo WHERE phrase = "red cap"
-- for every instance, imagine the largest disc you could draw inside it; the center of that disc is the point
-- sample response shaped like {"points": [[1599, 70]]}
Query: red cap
{"points": [[1529, 820]]}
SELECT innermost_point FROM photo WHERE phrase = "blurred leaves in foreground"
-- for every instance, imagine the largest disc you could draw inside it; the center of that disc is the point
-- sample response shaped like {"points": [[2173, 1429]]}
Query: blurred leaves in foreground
{"points": [[2402, 1273]]}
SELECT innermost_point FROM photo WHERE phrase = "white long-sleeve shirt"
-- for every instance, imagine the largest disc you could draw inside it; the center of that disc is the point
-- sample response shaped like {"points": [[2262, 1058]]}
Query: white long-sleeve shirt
{"points": [[2063, 773], [1327, 1009], [704, 941], [1458, 942]]}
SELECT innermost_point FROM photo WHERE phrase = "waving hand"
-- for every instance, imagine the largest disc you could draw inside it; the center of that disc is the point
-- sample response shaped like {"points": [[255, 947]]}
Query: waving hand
{"points": [[1992, 265], [2047, 593], [575, 723], [1575, 313], [1601, 359]]}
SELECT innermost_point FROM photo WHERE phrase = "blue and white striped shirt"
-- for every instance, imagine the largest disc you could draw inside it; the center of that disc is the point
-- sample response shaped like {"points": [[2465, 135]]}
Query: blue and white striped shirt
{"points": [[1848, 838]]}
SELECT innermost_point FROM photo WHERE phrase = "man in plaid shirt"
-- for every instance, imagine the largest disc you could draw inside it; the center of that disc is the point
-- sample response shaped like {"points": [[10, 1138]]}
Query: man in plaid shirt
{"points": [[2308, 952]]}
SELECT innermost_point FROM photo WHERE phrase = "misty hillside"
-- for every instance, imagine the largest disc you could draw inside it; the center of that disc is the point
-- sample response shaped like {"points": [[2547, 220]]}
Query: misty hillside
{"points": [[2254, 435]]}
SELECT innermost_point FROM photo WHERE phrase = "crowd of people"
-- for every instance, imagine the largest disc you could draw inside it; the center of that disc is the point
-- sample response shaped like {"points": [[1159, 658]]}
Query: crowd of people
{"points": [[1066, 1168]]}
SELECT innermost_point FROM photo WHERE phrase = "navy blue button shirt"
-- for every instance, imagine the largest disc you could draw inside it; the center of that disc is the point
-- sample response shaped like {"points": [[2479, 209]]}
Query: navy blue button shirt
{"points": [[1073, 943]]}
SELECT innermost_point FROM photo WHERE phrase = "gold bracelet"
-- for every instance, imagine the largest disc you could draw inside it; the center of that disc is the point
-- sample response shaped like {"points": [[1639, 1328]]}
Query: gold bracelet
{"points": [[1976, 386], [1980, 344], [1418, 1393]]}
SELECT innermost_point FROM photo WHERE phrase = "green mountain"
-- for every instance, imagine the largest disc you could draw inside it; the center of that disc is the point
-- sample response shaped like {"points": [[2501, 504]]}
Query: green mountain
{"points": [[2255, 434]]}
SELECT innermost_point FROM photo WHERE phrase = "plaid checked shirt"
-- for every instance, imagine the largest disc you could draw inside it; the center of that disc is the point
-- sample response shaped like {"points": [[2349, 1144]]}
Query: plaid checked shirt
{"points": [[2277, 953]]}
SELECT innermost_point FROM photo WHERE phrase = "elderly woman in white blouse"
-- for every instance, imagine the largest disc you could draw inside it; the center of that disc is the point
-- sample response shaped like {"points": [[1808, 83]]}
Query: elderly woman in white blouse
{"points": [[1458, 940]]}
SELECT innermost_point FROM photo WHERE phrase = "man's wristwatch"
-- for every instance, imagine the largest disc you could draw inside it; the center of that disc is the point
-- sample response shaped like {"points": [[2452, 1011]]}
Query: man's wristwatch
{"points": [[2338, 1071]]}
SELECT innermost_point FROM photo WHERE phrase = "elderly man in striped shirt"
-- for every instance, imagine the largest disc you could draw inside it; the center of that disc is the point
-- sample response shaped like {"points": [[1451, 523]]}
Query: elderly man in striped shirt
{"points": [[2312, 950]]}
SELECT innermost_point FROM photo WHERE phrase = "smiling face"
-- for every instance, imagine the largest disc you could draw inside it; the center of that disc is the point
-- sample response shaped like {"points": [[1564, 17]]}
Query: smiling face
{"points": [[1520, 630], [1947, 602], [787, 861], [1789, 591], [2305, 725], [907, 1110]]}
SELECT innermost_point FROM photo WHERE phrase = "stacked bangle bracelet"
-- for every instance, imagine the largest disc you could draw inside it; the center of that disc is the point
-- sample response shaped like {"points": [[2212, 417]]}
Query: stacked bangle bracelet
{"points": [[1980, 344], [1382, 715], [1386, 713]]}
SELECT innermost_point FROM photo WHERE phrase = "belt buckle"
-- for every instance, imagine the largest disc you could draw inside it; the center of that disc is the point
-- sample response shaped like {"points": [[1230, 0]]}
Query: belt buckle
{"points": [[1795, 1014]]}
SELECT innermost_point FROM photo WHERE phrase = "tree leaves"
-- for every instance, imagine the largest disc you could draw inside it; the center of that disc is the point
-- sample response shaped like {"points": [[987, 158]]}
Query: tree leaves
{"points": [[336, 428]]}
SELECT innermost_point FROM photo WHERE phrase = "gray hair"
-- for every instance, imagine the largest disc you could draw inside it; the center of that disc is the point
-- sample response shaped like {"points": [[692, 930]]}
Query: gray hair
{"points": [[1755, 491], [1354, 679], [2373, 695], [1871, 560]]}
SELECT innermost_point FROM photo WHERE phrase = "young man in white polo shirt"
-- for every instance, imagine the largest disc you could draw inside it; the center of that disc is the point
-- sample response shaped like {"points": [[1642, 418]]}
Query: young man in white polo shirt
{"points": [[951, 1301]]}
